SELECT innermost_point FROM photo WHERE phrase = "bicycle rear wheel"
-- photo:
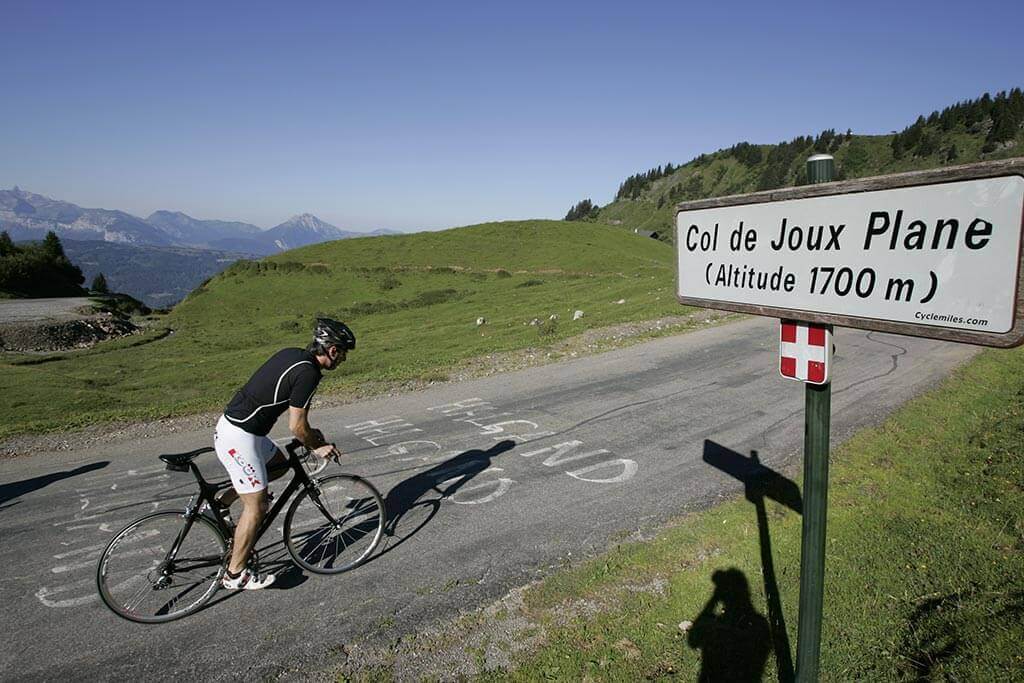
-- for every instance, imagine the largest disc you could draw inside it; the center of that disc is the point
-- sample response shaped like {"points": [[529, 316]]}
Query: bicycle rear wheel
{"points": [[334, 525], [139, 580]]}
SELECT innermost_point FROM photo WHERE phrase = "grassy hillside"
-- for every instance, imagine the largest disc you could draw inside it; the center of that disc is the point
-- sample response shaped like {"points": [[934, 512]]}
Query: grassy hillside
{"points": [[978, 130], [413, 301]]}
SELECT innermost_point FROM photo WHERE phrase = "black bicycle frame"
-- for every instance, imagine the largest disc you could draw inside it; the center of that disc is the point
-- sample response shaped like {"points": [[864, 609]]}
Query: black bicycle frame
{"points": [[208, 491]]}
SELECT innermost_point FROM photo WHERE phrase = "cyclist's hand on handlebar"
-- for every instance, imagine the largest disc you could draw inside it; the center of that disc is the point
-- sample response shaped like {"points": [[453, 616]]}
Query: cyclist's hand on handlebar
{"points": [[328, 452]]}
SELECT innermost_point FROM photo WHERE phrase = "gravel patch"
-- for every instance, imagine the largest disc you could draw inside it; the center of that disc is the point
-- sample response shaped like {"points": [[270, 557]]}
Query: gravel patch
{"points": [[487, 639], [63, 336], [35, 310]]}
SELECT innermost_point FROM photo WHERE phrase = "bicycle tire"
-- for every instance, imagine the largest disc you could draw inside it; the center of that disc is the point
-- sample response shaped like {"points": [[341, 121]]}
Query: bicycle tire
{"points": [[353, 526], [124, 583]]}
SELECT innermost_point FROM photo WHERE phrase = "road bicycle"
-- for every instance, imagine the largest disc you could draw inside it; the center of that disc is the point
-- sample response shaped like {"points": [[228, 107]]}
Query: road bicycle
{"points": [[169, 564]]}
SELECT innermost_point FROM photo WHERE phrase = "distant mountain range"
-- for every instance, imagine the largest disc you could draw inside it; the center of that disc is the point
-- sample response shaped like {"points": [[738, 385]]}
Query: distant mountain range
{"points": [[163, 257], [192, 232], [29, 216]]}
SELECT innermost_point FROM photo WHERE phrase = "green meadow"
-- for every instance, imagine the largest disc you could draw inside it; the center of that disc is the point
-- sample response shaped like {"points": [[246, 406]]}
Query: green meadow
{"points": [[413, 301]]}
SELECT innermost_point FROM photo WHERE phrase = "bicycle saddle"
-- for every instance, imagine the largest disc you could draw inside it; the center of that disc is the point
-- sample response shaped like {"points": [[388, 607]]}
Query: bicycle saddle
{"points": [[178, 462]]}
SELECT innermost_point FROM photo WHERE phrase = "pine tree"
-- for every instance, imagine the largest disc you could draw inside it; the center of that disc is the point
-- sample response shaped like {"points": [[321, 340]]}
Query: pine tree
{"points": [[6, 245], [1004, 125], [897, 146], [582, 211], [928, 144], [99, 285], [52, 246], [694, 188], [1016, 102]]}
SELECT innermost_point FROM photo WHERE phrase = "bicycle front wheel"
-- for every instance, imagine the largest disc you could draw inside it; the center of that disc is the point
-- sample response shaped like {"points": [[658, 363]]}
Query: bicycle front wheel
{"points": [[159, 568], [335, 524]]}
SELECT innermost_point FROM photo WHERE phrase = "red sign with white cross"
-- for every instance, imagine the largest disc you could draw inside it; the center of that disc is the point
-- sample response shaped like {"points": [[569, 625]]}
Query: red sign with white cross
{"points": [[805, 351]]}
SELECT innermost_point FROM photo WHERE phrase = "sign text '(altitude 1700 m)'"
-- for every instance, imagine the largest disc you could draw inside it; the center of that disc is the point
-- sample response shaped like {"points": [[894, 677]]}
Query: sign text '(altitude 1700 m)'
{"points": [[942, 255]]}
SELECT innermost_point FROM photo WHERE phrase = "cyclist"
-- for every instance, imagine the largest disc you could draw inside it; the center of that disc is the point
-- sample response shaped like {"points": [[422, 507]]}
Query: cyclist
{"points": [[286, 382]]}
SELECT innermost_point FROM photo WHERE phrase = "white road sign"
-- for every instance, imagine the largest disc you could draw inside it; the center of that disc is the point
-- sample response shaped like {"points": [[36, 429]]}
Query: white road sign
{"points": [[939, 257]]}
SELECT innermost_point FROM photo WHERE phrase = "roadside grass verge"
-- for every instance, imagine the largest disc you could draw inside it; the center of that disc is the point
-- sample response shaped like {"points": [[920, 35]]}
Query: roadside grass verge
{"points": [[412, 300], [924, 568]]}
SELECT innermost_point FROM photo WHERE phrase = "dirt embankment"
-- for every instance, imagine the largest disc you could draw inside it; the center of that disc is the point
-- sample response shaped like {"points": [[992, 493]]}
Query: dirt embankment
{"points": [[63, 336], [47, 325]]}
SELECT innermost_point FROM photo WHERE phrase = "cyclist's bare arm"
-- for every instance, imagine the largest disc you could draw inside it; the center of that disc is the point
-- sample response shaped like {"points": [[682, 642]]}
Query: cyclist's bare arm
{"points": [[313, 439]]}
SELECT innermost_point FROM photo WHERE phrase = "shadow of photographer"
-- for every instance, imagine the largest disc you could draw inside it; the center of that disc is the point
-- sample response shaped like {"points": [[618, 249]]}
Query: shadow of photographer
{"points": [[759, 482], [733, 638]]}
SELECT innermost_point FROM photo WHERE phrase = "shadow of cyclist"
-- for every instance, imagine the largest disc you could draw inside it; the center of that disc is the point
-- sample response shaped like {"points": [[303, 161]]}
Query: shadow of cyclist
{"points": [[444, 480], [20, 488]]}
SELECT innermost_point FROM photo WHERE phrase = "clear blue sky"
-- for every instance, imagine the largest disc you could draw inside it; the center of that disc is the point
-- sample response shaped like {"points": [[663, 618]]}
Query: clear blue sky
{"points": [[429, 115]]}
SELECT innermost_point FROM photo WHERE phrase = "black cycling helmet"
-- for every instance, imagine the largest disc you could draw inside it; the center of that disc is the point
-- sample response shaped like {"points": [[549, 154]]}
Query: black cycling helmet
{"points": [[333, 333]]}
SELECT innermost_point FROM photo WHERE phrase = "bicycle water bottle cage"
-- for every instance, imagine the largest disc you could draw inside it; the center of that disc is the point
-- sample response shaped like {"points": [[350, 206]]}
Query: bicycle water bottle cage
{"points": [[178, 462]]}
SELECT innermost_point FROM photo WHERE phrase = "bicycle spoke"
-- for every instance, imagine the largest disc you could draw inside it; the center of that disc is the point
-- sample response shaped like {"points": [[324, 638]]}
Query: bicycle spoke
{"points": [[168, 589], [337, 552], [339, 540], [327, 538], [201, 563], [347, 517], [174, 601], [137, 597]]}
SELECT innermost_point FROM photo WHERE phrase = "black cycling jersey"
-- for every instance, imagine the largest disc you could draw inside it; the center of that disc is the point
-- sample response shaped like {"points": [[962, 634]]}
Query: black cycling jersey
{"points": [[289, 378]]}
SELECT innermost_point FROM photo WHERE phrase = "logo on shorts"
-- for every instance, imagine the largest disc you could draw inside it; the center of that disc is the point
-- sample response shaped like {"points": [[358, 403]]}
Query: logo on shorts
{"points": [[238, 460]]}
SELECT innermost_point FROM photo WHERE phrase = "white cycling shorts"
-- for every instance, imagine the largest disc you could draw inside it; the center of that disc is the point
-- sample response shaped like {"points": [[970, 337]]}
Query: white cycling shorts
{"points": [[243, 455]]}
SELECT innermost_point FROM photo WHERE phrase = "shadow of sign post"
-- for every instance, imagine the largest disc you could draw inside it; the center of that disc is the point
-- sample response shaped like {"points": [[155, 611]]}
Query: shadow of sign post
{"points": [[760, 482]]}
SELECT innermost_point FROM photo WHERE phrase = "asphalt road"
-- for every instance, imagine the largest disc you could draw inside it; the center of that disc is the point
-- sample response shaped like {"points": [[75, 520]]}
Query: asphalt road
{"points": [[602, 447]]}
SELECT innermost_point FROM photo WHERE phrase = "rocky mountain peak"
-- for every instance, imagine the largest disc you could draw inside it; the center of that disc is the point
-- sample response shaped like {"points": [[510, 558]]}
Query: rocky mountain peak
{"points": [[306, 220]]}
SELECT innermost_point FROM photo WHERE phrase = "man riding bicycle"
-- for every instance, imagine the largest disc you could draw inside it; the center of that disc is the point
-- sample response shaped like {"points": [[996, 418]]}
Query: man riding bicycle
{"points": [[287, 381]]}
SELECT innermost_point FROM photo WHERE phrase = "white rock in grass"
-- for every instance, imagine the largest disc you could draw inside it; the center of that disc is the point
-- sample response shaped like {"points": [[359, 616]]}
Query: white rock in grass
{"points": [[480, 321], [685, 626], [621, 301], [577, 315], [553, 316]]}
